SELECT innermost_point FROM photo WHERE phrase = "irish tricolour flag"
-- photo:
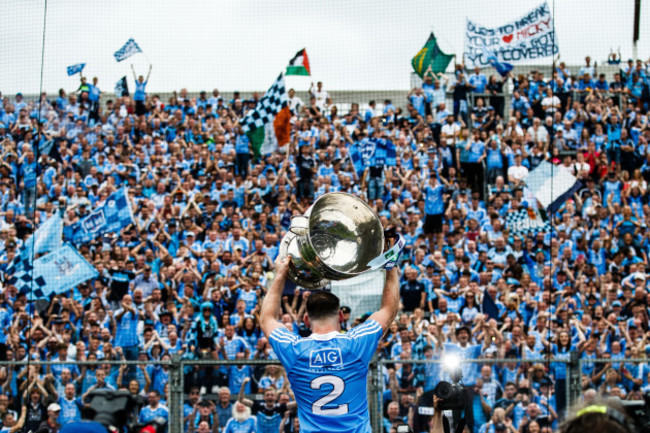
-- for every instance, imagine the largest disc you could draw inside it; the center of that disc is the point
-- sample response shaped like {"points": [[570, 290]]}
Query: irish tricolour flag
{"points": [[299, 65], [268, 125]]}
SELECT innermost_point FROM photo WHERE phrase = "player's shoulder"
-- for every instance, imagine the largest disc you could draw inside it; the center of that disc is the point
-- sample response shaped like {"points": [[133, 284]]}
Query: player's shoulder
{"points": [[283, 335], [366, 328]]}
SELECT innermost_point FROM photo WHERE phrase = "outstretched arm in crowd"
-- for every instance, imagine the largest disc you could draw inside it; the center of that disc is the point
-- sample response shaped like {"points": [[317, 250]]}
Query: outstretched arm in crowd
{"points": [[240, 397]]}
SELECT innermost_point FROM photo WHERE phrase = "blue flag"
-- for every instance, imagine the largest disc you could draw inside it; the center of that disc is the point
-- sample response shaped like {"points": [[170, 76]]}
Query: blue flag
{"points": [[53, 274], [48, 237], [552, 185], [379, 151], [357, 159], [129, 49], [502, 67], [76, 69], [113, 216], [122, 87], [45, 147], [490, 307]]}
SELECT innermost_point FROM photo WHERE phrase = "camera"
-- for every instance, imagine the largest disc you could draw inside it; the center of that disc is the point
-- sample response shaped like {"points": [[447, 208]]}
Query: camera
{"points": [[639, 411], [454, 396], [112, 411], [404, 428]]}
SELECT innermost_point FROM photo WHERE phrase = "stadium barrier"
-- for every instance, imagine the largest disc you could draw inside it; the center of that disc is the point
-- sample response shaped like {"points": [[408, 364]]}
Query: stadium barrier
{"points": [[376, 383]]}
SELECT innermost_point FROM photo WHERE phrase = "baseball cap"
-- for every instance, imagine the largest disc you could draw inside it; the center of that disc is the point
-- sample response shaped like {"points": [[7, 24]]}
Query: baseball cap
{"points": [[345, 309], [53, 407]]}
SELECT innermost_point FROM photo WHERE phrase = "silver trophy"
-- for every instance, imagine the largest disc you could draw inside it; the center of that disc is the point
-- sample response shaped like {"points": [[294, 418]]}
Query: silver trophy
{"points": [[339, 237]]}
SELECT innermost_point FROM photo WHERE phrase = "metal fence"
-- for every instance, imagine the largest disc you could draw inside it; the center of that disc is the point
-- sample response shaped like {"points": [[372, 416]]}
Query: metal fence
{"points": [[376, 385]]}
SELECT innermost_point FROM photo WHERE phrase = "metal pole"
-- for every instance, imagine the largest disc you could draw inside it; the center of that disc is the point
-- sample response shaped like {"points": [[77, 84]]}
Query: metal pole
{"points": [[375, 404], [637, 28], [574, 382], [176, 395]]}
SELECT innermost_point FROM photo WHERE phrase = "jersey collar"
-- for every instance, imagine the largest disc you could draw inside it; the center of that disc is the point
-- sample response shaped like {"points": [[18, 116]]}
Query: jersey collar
{"points": [[325, 337]]}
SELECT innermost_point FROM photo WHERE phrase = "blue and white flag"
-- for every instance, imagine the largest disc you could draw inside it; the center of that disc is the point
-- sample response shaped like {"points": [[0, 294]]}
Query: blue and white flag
{"points": [[378, 151], [502, 67], [129, 49], [48, 237], [551, 185], [122, 87], [76, 69], [114, 215], [45, 147], [53, 274], [357, 160]]}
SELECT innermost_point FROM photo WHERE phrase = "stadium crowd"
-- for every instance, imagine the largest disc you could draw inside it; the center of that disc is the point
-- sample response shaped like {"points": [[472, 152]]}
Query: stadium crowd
{"points": [[187, 278]]}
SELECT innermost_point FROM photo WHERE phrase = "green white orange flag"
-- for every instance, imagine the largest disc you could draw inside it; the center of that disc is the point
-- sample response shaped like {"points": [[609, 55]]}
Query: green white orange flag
{"points": [[268, 125], [299, 65]]}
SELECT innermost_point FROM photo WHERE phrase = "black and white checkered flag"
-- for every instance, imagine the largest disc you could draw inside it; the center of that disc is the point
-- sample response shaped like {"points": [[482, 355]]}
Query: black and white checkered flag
{"points": [[271, 103], [526, 222]]}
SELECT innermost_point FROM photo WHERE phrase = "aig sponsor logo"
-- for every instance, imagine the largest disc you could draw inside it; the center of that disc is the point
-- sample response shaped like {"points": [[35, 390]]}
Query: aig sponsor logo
{"points": [[326, 358]]}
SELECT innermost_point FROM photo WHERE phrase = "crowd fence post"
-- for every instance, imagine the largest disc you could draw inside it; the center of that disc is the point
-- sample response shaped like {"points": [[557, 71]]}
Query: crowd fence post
{"points": [[375, 403], [176, 395], [574, 384]]}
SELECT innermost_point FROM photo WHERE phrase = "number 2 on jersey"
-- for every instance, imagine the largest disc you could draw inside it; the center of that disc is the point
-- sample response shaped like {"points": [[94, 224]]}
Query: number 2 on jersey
{"points": [[338, 386]]}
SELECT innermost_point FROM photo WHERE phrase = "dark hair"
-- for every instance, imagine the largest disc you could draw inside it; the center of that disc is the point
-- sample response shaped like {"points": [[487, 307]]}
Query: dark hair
{"points": [[321, 305], [614, 419]]}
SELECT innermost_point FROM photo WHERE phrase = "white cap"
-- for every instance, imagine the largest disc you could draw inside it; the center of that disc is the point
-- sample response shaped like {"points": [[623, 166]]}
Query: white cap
{"points": [[53, 407]]}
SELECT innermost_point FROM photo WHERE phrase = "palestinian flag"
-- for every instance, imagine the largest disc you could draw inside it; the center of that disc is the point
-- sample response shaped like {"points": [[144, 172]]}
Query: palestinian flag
{"points": [[430, 59], [299, 65], [268, 125]]}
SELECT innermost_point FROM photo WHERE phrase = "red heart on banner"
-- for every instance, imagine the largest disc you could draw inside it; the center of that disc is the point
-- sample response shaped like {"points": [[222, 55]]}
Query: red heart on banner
{"points": [[507, 38]]}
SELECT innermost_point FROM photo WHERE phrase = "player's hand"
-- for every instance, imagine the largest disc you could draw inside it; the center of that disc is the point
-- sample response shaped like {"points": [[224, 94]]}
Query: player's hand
{"points": [[282, 267], [437, 401]]}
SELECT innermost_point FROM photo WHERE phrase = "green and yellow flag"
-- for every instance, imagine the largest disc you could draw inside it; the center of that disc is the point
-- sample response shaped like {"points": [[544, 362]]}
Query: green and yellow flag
{"points": [[430, 59]]}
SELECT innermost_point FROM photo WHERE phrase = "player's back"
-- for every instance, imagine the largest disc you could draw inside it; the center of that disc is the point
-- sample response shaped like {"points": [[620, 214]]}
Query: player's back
{"points": [[328, 374]]}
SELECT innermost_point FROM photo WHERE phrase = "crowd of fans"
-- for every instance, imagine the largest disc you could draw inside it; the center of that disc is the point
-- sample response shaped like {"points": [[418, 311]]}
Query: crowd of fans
{"points": [[188, 277]]}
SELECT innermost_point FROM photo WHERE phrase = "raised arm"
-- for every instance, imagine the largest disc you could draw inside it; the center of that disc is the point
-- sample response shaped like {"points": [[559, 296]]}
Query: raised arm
{"points": [[389, 300], [271, 305]]}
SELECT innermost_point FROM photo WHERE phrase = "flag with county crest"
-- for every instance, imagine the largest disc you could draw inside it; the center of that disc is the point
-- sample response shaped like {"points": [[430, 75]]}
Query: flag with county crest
{"points": [[76, 69], [112, 216], [129, 49], [48, 237], [268, 126], [53, 274], [299, 65], [378, 151], [430, 59]]}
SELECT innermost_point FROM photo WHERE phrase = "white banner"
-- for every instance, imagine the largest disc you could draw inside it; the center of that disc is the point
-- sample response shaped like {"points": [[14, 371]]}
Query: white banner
{"points": [[527, 38]]}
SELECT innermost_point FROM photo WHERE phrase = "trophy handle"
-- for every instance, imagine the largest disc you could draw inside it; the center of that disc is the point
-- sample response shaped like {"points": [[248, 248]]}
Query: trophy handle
{"points": [[299, 229]]}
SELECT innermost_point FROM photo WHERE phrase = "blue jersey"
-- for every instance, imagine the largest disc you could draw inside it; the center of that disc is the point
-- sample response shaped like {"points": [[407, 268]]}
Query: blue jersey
{"points": [[234, 426], [147, 414], [327, 373], [70, 410], [433, 204]]}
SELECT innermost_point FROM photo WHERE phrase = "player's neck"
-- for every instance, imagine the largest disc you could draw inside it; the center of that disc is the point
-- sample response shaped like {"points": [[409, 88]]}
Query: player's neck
{"points": [[324, 327]]}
